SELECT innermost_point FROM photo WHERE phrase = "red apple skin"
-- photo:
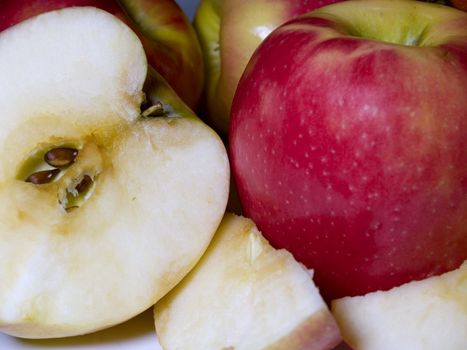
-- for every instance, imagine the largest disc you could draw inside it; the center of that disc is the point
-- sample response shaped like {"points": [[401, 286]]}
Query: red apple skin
{"points": [[460, 4], [169, 39], [352, 153]]}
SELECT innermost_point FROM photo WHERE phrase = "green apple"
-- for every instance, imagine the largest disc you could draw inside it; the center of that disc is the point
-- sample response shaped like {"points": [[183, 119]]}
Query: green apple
{"points": [[229, 32], [104, 207], [245, 295]]}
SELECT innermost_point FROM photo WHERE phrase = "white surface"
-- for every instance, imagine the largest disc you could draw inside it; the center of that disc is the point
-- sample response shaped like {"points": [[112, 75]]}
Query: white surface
{"points": [[136, 334]]}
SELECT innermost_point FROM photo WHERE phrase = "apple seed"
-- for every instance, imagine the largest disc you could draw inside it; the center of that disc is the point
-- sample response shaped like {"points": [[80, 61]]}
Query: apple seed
{"points": [[61, 157], [84, 184], [77, 195], [42, 177]]}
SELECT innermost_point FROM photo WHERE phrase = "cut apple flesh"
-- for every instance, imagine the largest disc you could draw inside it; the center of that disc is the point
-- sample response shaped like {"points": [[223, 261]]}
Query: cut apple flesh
{"points": [[430, 314], [244, 294], [151, 191]]}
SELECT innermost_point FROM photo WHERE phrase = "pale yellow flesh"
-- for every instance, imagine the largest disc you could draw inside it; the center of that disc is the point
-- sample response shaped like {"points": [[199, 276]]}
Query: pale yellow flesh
{"points": [[423, 315], [244, 294], [160, 192]]}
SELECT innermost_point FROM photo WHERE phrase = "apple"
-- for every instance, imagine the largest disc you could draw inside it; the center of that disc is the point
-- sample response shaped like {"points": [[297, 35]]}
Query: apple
{"points": [[422, 315], [168, 37], [229, 32], [103, 207], [460, 4], [244, 294], [348, 142]]}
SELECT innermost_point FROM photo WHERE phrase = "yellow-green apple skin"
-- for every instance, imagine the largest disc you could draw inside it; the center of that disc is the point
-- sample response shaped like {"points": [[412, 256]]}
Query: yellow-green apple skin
{"points": [[422, 315], [244, 295], [348, 142], [77, 258], [229, 32], [170, 42]]}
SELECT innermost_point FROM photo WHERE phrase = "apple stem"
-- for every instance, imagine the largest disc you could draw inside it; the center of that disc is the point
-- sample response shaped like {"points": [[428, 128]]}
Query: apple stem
{"points": [[156, 110]]}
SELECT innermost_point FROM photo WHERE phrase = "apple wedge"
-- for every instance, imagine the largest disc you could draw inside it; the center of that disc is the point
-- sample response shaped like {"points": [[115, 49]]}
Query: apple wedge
{"points": [[103, 207], [430, 314], [244, 294]]}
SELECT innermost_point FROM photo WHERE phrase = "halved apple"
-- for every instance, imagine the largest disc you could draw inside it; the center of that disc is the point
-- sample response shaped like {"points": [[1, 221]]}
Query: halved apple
{"points": [[103, 209], [244, 294], [430, 314]]}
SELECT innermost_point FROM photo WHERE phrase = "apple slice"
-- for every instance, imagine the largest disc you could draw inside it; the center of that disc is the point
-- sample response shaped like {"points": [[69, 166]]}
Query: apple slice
{"points": [[244, 294], [430, 314], [103, 209]]}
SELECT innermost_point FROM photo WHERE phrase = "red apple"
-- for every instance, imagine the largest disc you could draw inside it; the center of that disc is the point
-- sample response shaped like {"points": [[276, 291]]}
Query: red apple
{"points": [[349, 142], [169, 39], [460, 4], [229, 32]]}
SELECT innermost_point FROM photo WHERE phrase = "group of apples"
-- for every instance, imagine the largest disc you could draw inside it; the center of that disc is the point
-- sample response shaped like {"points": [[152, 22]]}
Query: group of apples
{"points": [[344, 124]]}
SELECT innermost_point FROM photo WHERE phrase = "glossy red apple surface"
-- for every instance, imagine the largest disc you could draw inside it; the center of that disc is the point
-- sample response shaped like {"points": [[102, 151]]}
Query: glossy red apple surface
{"points": [[169, 40], [349, 142], [460, 4]]}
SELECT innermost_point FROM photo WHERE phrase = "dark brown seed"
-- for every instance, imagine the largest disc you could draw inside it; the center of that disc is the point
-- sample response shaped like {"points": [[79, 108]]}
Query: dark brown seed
{"points": [[84, 184], [42, 177], [61, 156]]}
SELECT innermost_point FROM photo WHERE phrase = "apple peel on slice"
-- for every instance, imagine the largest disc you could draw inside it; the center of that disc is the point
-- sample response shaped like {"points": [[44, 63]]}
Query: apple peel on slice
{"points": [[128, 212], [429, 314], [244, 294]]}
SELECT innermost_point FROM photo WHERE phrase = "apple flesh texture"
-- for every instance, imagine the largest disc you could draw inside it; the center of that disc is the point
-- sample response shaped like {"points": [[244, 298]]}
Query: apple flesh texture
{"points": [[244, 294], [168, 37], [422, 315], [160, 184], [229, 33], [352, 152]]}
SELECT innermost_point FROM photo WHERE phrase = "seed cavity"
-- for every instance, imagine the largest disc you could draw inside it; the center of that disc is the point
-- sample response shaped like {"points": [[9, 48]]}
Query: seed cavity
{"points": [[47, 166], [42, 177], [70, 171], [84, 184], [76, 195], [61, 157]]}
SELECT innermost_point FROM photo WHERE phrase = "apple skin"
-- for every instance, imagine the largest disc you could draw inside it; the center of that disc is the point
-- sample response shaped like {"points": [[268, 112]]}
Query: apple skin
{"points": [[352, 153], [229, 32], [170, 42], [460, 4]]}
